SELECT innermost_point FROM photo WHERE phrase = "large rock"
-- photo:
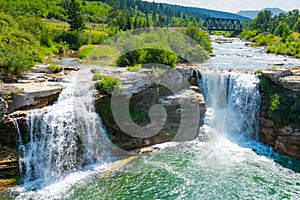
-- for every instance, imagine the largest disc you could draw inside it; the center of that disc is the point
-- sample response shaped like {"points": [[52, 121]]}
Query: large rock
{"points": [[288, 145], [276, 74], [33, 95], [291, 83], [285, 140]]}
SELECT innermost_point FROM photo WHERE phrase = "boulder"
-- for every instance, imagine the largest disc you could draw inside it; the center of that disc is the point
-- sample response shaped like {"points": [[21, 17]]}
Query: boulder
{"points": [[291, 83], [33, 95], [276, 74]]}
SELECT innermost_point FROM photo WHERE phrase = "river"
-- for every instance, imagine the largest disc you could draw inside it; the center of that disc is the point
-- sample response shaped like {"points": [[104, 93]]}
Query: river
{"points": [[233, 165]]}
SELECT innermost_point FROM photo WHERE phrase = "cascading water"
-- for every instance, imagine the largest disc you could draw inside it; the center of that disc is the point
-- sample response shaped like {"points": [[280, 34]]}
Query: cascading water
{"points": [[66, 136], [233, 102]]}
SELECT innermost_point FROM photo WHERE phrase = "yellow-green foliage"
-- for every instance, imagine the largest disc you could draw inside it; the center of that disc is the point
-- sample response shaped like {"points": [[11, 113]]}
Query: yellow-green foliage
{"points": [[103, 51], [281, 108], [278, 45], [134, 68], [108, 84], [163, 47], [54, 68], [97, 76], [85, 51]]}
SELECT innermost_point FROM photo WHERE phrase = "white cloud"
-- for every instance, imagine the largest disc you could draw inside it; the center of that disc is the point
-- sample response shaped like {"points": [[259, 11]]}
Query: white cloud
{"points": [[236, 5]]}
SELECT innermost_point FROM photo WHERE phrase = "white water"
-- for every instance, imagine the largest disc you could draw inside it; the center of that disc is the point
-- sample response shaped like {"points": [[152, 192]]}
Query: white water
{"points": [[234, 168], [233, 102], [58, 135]]}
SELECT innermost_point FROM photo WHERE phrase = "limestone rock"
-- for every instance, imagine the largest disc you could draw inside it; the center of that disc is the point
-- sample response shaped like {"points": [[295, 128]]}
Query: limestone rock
{"points": [[267, 123], [33, 95], [292, 83], [146, 149], [3, 108], [276, 74], [288, 145]]}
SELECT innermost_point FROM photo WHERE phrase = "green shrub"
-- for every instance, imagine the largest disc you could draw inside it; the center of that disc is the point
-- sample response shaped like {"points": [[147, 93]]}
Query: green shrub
{"points": [[258, 72], [134, 68], [148, 55], [108, 84], [54, 68], [97, 76], [19, 90], [281, 108]]}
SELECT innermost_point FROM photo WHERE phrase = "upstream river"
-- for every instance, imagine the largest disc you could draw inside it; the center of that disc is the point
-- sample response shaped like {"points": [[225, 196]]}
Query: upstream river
{"points": [[231, 165]]}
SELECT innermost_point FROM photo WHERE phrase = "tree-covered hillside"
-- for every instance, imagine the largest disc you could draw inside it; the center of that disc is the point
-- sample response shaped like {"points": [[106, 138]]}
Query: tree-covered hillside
{"points": [[280, 33], [170, 11]]}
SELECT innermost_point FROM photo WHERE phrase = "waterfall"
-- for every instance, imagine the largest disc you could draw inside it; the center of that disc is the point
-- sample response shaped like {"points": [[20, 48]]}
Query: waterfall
{"points": [[21, 147], [233, 102], [65, 137]]}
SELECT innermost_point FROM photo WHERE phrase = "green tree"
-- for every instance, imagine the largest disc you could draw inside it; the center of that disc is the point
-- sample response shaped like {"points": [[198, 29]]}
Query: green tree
{"points": [[297, 26], [262, 21], [75, 17], [283, 30]]}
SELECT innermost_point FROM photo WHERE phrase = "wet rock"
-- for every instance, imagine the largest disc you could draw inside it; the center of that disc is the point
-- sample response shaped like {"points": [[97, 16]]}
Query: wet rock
{"points": [[285, 140], [288, 145], [146, 149]]}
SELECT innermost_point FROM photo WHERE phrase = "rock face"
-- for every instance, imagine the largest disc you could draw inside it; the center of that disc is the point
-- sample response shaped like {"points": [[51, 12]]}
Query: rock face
{"points": [[8, 155], [144, 92], [280, 110], [33, 95], [288, 78], [3, 109], [285, 140]]}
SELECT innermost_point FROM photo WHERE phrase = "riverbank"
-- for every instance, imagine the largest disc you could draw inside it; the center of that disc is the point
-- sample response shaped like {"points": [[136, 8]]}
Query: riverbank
{"points": [[280, 110]]}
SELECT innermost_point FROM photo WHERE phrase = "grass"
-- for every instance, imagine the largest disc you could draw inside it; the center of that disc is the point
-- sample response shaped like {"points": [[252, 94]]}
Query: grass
{"points": [[101, 55]]}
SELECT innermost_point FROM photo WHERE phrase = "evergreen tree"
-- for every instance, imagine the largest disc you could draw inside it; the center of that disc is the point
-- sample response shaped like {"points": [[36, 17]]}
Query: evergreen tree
{"points": [[75, 17], [128, 22], [147, 21], [135, 23]]}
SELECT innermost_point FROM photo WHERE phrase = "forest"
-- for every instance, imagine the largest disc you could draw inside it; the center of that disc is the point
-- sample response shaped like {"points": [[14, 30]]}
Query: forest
{"points": [[30, 30], [279, 34]]}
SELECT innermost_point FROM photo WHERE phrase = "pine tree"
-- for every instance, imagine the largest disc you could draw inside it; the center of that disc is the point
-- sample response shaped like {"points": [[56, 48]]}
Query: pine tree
{"points": [[75, 17], [135, 24], [128, 23]]}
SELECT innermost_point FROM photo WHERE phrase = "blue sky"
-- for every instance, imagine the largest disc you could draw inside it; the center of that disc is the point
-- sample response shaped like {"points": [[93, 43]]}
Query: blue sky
{"points": [[237, 5]]}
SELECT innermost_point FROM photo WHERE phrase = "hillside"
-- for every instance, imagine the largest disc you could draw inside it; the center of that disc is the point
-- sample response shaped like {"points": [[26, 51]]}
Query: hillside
{"points": [[252, 14], [170, 10]]}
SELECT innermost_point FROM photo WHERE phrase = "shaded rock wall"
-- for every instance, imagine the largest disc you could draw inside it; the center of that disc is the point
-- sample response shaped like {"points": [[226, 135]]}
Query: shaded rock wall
{"points": [[280, 110], [8, 155], [140, 104]]}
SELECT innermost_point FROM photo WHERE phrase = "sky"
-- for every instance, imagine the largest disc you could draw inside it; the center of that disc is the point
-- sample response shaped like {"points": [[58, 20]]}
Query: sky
{"points": [[236, 5]]}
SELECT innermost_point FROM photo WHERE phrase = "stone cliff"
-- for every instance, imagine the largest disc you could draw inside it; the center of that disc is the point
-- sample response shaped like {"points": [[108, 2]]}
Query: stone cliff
{"points": [[143, 93], [280, 111]]}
